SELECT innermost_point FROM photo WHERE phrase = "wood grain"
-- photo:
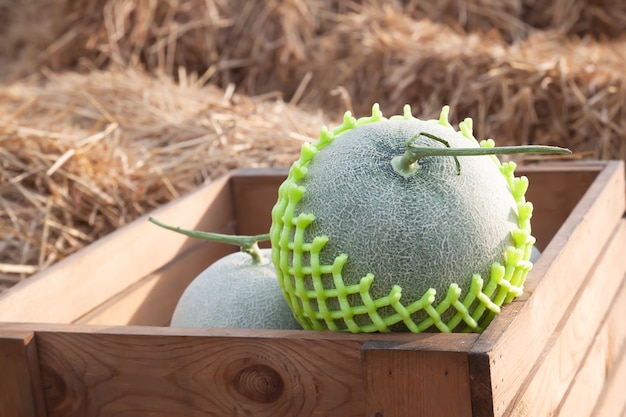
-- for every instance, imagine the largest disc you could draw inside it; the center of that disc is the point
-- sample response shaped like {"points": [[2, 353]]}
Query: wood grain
{"points": [[151, 300], [613, 398], [592, 385], [403, 381], [553, 197], [205, 372], [553, 282], [111, 375], [162, 371], [254, 194], [20, 382], [555, 371]]}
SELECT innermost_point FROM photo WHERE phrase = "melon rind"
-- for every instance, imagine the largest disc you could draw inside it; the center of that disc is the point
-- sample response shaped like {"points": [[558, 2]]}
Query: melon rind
{"points": [[470, 312], [235, 292]]}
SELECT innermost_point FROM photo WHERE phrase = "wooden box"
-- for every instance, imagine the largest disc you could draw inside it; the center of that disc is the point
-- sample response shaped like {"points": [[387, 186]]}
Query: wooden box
{"points": [[89, 336]]}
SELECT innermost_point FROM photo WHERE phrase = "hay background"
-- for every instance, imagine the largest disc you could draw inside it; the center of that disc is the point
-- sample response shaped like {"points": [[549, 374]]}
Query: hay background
{"points": [[109, 108]]}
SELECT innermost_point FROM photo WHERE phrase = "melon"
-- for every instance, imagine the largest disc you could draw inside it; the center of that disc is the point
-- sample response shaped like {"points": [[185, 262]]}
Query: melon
{"points": [[235, 292], [361, 245]]}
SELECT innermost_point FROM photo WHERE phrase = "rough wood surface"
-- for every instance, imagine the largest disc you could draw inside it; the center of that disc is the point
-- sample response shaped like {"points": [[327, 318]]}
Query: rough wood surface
{"points": [[554, 281], [553, 197], [108, 371], [613, 399], [254, 194], [151, 301], [20, 382], [593, 384], [401, 381], [556, 370]]}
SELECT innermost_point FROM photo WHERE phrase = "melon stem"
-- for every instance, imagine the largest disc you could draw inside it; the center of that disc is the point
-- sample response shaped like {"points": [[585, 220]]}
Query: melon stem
{"points": [[247, 244], [407, 164]]}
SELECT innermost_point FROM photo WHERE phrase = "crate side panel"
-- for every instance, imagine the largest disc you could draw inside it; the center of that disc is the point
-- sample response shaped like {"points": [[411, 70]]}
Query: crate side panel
{"points": [[554, 198], [553, 374], [612, 401], [553, 282], [255, 192], [77, 284], [602, 360], [151, 301], [402, 382], [20, 383], [108, 374]]}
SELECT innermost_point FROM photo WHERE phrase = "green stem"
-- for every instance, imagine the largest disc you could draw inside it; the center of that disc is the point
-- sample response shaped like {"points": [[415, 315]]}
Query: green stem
{"points": [[408, 163], [248, 244]]}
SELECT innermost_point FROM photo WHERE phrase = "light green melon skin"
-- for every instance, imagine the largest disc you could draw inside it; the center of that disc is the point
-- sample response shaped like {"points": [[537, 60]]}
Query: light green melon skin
{"points": [[430, 230], [234, 292], [389, 241]]}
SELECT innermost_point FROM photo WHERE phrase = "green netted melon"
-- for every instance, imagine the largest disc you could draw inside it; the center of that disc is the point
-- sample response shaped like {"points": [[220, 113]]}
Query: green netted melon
{"points": [[359, 246], [235, 292]]}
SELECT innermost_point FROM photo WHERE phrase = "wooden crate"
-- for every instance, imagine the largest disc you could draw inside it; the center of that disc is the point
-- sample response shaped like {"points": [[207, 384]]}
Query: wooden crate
{"points": [[88, 336]]}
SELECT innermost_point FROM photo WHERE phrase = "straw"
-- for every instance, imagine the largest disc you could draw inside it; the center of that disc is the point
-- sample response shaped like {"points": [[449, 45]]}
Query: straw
{"points": [[111, 108]]}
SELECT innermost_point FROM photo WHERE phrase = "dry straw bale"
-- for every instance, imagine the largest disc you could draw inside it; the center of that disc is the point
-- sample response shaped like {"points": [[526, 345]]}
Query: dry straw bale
{"points": [[603, 19], [548, 88], [81, 155], [481, 56], [247, 42]]}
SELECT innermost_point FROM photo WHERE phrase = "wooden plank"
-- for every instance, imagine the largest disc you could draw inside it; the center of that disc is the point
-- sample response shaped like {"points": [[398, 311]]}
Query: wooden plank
{"points": [[82, 281], [495, 359], [601, 367], [554, 194], [151, 301], [550, 379], [403, 381], [100, 375], [105, 371], [20, 383], [254, 194]]}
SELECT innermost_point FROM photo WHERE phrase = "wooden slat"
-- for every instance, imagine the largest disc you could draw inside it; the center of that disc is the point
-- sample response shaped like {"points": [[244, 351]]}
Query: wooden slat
{"points": [[82, 281], [255, 192], [496, 359], [404, 381], [595, 380], [151, 301], [554, 192], [128, 370], [550, 379], [20, 383], [200, 376]]}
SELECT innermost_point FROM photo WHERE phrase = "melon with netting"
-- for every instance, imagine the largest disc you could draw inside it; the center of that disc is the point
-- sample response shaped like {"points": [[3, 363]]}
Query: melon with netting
{"points": [[359, 247]]}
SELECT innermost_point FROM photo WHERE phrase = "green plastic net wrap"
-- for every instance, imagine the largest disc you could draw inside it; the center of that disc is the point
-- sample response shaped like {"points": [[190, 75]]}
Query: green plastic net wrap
{"points": [[322, 298]]}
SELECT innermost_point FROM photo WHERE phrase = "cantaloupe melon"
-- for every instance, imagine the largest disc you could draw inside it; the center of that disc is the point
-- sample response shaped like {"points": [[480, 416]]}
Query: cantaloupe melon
{"points": [[359, 246], [235, 292]]}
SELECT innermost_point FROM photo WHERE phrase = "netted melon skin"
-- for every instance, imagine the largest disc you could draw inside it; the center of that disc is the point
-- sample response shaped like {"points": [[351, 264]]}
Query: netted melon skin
{"points": [[234, 292], [326, 292]]}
